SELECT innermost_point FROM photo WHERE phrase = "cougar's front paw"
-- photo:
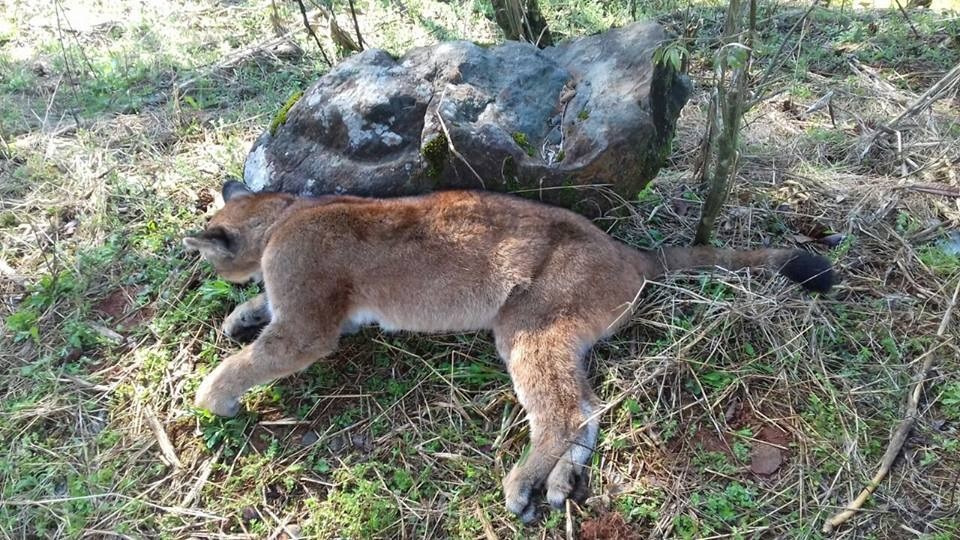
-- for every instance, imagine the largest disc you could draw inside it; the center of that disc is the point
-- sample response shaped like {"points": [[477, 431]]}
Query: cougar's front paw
{"points": [[519, 491], [243, 327], [208, 398]]}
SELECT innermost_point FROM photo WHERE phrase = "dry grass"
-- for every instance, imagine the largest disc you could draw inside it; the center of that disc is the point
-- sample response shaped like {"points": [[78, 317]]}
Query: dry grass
{"points": [[737, 406]]}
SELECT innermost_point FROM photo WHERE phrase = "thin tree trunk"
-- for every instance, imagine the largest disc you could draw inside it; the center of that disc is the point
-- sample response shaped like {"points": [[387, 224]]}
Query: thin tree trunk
{"points": [[721, 141]]}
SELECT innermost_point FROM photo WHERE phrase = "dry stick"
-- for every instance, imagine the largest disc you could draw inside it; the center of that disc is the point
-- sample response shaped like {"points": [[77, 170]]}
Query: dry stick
{"points": [[935, 92], [205, 471], [234, 59], [66, 64], [488, 531], [356, 25], [900, 435], [166, 447], [4, 148], [446, 133], [306, 23], [777, 59], [907, 17]]}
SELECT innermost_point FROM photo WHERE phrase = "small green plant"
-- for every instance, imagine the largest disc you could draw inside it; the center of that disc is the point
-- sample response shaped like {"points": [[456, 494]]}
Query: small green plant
{"points": [[741, 446], [951, 401], [642, 506], [801, 91], [938, 260], [229, 432], [825, 136], [583, 115], [649, 195], [672, 54], [668, 428], [720, 510], [716, 462], [905, 223], [357, 506], [845, 246], [686, 526], [521, 139], [24, 323]]}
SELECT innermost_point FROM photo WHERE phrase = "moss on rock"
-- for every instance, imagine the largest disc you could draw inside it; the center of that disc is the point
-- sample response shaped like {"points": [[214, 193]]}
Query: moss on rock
{"points": [[435, 153], [280, 118], [521, 139]]}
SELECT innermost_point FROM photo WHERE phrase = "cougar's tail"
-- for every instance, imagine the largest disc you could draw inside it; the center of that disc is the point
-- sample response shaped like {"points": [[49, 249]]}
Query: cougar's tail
{"points": [[813, 272]]}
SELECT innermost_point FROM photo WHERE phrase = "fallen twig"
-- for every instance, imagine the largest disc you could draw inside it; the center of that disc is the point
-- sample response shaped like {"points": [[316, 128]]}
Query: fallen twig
{"points": [[819, 104], [205, 471], [777, 60], [268, 47], [935, 189], [166, 448], [900, 434], [935, 92], [488, 532], [907, 17], [446, 133]]}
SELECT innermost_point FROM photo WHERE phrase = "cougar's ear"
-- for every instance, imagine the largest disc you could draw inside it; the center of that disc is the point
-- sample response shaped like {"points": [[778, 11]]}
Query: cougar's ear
{"points": [[233, 189], [215, 241]]}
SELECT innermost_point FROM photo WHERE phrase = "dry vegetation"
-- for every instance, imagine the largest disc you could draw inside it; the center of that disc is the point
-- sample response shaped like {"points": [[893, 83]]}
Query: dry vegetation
{"points": [[737, 406]]}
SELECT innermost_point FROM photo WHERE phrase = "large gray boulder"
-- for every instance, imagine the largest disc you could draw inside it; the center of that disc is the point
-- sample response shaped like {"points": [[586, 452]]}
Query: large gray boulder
{"points": [[552, 124]]}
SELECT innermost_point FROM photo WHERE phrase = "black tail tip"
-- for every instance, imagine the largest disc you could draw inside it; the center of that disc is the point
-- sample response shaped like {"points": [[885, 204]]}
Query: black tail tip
{"points": [[813, 272]]}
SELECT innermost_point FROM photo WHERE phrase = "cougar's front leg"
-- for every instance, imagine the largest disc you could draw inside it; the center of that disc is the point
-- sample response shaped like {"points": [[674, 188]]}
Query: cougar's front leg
{"points": [[304, 331], [247, 319]]}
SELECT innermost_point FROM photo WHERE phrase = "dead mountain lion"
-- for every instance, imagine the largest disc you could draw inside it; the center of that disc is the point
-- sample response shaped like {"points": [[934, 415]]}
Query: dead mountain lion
{"points": [[544, 280]]}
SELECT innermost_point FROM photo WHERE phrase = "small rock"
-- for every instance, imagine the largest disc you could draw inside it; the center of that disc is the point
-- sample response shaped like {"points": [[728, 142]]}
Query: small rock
{"points": [[951, 244], [250, 513], [336, 445], [293, 531], [362, 442], [309, 438], [765, 459], [41, 68]]}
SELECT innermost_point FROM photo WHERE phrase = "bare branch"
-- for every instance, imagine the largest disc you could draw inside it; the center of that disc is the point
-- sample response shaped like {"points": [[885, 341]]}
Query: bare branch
{"points": [[356, 25], [306, 24]]}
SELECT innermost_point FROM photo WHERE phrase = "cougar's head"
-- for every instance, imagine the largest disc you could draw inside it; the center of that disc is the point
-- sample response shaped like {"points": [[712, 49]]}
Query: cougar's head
{"points": [[234, 239]]}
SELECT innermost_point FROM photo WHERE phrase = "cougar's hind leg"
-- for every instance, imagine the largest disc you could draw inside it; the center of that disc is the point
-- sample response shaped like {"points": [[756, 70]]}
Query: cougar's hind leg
{"points": [[548, 376]]}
